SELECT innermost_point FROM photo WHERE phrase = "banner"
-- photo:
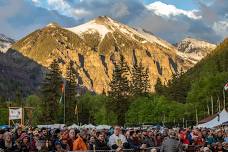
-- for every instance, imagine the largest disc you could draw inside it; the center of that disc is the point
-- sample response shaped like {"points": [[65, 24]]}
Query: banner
{"points": [[15, 113], [226, 87]]}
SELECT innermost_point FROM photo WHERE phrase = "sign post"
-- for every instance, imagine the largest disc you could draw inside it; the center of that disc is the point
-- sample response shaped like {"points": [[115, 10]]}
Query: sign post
{"points": [[15, 113]]}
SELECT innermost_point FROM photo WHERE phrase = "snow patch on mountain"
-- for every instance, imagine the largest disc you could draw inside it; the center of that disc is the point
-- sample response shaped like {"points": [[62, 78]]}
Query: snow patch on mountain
{"points": [[91, 26], [193, 49], [5, 43], [103, 25]]}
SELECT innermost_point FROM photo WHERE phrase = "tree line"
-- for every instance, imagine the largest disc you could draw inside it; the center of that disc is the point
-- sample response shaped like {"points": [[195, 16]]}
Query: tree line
{"points": [[109, 108]]}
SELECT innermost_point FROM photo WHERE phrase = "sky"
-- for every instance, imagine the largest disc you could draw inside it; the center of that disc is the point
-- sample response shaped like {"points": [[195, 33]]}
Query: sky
{"points": [[172, 20]]}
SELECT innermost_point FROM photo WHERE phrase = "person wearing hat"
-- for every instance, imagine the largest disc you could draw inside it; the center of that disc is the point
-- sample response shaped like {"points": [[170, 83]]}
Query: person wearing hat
{"points": [[206, 149], [79, 144], [25, 145], [171, 144]]}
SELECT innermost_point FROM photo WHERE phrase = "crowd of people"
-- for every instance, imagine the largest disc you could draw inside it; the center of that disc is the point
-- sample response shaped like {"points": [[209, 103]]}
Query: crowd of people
{"points": [[117, 139]]}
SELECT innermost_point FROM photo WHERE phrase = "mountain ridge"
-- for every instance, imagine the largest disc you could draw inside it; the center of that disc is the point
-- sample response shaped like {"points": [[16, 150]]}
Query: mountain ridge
{"points": [[94, 51], [195, 49], [5, 43]]}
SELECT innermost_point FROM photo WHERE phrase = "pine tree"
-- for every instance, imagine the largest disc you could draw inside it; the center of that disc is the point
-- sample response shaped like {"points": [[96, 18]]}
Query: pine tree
{"points": [[51, 93], [146, 81], [71, 92], [177, 88], [159, 88], [120, 91], [18, 98], [140, 80]]}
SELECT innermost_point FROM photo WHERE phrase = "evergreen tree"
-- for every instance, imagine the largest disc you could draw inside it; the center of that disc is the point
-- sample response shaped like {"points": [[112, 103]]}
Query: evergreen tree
{"points": [[177, 88], [120, 91], [51, 94], [18, 98], [159, 88], [146, 81], [71, 92], [140, 80]]}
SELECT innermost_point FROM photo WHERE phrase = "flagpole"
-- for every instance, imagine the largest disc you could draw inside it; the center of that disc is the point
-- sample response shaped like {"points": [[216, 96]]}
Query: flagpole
{"points": [[212, 106], [197, 117], [77, 113], [208, 110], [224, 99], [219, 105], [64, 97]]}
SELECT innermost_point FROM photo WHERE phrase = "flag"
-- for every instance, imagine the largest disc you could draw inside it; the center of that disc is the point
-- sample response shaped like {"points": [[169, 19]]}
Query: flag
{"points": [[76, 110], [218, 116], [62, 87], [226, 87], [61, 99]]}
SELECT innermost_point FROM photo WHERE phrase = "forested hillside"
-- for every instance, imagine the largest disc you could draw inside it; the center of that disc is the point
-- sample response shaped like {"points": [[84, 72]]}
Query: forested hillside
{"points": [[202, 82]]}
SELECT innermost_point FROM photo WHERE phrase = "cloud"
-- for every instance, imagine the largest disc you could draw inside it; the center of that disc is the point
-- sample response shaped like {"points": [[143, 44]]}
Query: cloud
{"points": [[208, 21], [20, 17], [120, 10], [163, 9], [221, 28], [164, 20], [81, 12]]}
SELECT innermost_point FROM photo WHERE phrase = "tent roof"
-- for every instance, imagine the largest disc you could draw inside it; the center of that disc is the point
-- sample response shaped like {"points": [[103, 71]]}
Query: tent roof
{"points": [[216, 121], [209, 118]]}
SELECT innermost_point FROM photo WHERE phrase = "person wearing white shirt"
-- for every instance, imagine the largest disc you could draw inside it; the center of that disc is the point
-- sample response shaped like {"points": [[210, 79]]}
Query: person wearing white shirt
{"points": [[117, 140]]}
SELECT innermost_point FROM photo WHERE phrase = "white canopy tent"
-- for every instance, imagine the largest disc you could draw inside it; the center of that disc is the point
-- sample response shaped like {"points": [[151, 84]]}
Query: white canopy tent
{"points": [[89, 126], [218, 120], [52, 126], [100, 127], [74, 126]]}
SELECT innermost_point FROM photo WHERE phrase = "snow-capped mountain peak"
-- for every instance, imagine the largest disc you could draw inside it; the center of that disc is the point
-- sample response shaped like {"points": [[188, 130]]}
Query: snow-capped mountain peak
{"points": [[104, 25], [5, 38], [191, 45], [5, 43], [194, 49], [92, 26]]}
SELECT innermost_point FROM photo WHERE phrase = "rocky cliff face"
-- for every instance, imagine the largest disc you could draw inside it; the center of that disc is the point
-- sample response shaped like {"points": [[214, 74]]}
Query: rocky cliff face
{"points": [[96, 45], [194, 50]]}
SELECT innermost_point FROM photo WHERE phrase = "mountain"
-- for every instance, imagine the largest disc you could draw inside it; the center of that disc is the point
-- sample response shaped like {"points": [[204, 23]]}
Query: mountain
{"points": [[5, 43], [207, 78], [194, 50], [95, 46], [19, 76]]}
